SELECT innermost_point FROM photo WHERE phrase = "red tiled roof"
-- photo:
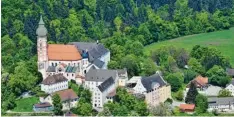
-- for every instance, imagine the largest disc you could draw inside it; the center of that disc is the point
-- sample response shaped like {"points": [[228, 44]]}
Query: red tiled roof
{"points": [[201, 80], [187, 106], [66, 94], [63, 52]]}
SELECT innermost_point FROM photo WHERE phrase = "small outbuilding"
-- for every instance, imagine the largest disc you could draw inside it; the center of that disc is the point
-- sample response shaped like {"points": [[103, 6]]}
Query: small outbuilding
{"points": [[187, 108], [42, 107]]}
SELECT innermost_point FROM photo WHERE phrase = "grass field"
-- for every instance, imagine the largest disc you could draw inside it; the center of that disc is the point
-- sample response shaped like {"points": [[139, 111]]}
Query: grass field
{"points": [[222, 40], [25, 104]]}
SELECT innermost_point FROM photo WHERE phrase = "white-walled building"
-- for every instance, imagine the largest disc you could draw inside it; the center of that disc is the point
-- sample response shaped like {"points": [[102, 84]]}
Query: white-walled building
{"points": [[102, 83], [68, 98], [230, 87], [54, 83], [223, 104], [70, 60], [155, 89]]}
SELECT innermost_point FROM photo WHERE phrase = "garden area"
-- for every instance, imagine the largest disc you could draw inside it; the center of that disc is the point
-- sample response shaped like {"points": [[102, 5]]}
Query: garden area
{"points": [[25, 104]]}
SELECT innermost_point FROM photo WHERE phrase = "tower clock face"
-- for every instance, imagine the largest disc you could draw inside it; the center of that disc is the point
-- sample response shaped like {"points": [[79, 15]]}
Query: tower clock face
{"points": [[41, 65]]}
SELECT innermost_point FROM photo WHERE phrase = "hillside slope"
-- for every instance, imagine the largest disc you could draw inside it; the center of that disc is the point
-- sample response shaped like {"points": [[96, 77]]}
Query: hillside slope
{"points": [[222, 40]]}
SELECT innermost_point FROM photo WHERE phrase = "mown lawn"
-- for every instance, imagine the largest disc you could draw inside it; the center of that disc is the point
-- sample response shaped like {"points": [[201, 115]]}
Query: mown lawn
{"points": [[25, 104], [222, 40]]}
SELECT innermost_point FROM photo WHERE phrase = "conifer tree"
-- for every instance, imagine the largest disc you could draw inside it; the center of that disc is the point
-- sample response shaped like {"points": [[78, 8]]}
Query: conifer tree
{"points": [[192, 93]]}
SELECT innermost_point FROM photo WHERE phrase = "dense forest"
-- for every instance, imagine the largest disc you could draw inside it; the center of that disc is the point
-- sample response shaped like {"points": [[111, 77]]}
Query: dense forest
{"points": [[123, 26]]}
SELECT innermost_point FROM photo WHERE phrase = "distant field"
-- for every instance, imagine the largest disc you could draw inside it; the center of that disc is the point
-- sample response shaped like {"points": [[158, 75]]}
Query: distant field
{"points": [[222, 40], [25, 104]]}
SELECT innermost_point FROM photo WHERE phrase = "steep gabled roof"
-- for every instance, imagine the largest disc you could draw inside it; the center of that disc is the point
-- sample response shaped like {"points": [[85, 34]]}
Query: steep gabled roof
{"points": [[187, 106], [201, 80], [151, 80], [98, 63], [106, 84], [67, 94], [61, 52], [100, 75], [95, 50], [54, 79]]}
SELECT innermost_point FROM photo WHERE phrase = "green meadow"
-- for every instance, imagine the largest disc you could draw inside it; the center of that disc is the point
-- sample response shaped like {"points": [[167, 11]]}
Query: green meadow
{"points": [[25, 104], [222, 40]]}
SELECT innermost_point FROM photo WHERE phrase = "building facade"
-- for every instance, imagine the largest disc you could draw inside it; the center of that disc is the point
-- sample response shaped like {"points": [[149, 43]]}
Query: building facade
{"points": [[155, 89], [60, 58], [230, 87], [54, 83], [101, 83], [223, 104], [68, 98]]}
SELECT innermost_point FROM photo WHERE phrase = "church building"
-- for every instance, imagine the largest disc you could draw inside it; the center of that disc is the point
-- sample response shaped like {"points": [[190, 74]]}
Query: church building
{"points": [[71, 60]]}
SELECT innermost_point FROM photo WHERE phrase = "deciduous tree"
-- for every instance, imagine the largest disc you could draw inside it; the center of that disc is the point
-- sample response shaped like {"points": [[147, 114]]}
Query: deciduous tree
{"points": [[57, 105], [201, 103]]}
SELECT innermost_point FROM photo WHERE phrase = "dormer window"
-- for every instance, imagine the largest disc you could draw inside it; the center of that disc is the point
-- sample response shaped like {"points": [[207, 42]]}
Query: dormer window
{"points": [[60, 69]]}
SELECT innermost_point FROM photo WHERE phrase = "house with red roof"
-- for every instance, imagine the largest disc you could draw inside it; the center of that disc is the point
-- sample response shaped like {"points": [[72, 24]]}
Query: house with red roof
{"points": [[200, 82], [68, 98], [187, 108]]}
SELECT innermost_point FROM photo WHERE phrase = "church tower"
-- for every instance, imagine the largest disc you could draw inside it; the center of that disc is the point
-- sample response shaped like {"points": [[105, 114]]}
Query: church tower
{"points": [[42, 47]]}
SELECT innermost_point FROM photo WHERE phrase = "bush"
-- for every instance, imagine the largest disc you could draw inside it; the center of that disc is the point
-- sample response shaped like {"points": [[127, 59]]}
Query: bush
{"points": [[179, 95], [169, 100], [215, 112]]}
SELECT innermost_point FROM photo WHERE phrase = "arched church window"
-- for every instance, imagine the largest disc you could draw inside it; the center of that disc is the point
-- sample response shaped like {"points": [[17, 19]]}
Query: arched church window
{"points": [[52, 64]]}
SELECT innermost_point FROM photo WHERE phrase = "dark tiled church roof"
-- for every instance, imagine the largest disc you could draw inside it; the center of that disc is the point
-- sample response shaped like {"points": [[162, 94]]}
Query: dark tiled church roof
{"points": [[98, 63], [54, 79], [95, 50]]}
